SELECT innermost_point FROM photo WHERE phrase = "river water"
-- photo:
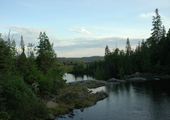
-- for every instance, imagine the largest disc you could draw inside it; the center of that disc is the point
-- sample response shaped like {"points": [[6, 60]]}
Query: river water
{"points": [[149, 100]]}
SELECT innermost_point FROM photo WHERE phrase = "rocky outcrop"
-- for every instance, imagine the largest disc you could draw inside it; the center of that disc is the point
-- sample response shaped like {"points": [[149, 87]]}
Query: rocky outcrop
{"points": [[101, 95], [89, 83], [137, 79], [144, 76], [113, 80], [51, 104]]}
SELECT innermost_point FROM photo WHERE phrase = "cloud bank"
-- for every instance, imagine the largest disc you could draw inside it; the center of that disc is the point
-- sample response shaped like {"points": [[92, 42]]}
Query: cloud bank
{"points": [[147, 15], [84, 31], [77, 47]]}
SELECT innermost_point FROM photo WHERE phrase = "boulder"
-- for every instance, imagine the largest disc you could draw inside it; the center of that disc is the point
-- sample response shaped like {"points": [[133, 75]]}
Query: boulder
{"points": [[51, 116], [137, 79], [112, 80], [82, 109], [101, 95], [51, 104]]}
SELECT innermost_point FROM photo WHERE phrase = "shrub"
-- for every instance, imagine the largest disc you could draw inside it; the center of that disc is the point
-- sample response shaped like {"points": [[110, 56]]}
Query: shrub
{"points": [[18, 101]]}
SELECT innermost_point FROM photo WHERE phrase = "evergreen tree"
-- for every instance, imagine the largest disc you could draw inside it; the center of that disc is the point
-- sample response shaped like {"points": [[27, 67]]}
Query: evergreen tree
{"points": [[107, 51], [128, 47], [157, 27], [22, 44], [6, 60], [46, 56], [22, 61]]}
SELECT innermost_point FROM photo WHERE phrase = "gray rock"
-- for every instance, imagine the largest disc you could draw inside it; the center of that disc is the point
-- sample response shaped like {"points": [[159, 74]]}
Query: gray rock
{"points": [[51, 116], [51, 104], [122, 81], [112, 80], [101, 95], [156, 79], [137, 79], [82, 109]]}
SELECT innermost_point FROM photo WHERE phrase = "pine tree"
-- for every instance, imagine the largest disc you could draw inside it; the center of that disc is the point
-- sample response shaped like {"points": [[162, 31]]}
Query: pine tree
{"points": [[6, 61], [128, 47], [157, 27], [22, 59], [107, 51], [46, 56], [22, 44]]}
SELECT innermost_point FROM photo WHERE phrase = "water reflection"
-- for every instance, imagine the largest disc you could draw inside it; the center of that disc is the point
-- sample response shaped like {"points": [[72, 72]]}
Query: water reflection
{"points": [[148, 100], [72, 77]]}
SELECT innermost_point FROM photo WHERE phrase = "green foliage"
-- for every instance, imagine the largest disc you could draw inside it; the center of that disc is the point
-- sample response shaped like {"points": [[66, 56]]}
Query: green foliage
{"points": [[157, 27], [22, 64], [53, 80], [150, 56], [46, 56], [79, 68], [100, 73], [121, 72], [33, 75], [18, 100], [6, 61], [18, 72]]}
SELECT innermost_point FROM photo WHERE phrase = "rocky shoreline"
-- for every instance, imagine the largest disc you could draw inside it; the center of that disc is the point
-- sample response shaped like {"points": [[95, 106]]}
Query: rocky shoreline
{"points": [[76, 95], [137, 77]]}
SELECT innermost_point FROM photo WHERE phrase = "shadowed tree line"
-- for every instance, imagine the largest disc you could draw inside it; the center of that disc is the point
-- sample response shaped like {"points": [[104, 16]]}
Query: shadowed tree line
{"points": [[151, 55], [20, 70]]}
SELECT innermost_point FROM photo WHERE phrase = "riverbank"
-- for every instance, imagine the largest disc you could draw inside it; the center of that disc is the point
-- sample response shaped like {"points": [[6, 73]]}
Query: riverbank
{"points": [[76, 95], [137, 77]]}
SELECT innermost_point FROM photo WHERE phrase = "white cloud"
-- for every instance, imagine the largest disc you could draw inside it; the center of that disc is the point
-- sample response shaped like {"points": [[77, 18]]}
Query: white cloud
{"points": [[147, 15], [30, 34], [84, 31], [77, 47]]}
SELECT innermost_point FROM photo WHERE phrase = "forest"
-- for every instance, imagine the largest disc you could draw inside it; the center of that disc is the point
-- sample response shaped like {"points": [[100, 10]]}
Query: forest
{"points": [[150, 56], [24, 77], [23, 69]]}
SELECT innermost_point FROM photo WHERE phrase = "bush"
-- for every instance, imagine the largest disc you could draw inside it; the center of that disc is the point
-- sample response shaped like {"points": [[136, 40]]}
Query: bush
{"points": [[33, 75], [53, 80], [18, 101]]}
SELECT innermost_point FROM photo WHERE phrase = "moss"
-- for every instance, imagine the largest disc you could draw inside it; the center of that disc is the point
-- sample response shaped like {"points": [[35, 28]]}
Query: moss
{"points": [[62, 108], [69, 98], [91, 98]]}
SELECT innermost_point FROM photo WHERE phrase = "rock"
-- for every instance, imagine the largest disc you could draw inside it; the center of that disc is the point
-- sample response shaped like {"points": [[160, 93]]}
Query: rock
{"points": [[51, 116], [51, 104], [35, 85], [156, 79], [137, 74], [112, 80], [137, 79], [89, 83], [101, 95], [70, 116], [122, 81], [82, 109]]}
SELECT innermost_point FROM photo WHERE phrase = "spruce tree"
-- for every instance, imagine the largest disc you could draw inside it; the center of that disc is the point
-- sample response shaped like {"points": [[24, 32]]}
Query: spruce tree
{"points": [[128, 47], [46, 56], [22, 59], [157, 27]]}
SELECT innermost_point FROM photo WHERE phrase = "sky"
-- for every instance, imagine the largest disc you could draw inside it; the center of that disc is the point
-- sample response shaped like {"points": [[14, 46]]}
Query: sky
{"points": [[82, 28]]}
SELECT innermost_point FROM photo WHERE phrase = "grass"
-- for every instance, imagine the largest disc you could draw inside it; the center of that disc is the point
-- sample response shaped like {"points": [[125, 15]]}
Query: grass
{"points": [[69, 102]]}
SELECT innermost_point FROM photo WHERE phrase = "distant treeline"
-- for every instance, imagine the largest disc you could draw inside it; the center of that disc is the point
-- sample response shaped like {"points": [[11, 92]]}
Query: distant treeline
{"points": [[151, 55], [83, 59]]}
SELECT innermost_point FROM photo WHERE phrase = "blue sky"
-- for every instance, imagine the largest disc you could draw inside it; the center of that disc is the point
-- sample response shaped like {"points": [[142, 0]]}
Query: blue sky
{"points": [[81, 28]]}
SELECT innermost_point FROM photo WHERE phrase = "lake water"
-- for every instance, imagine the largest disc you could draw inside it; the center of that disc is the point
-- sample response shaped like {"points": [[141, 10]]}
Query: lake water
{"points": [[72, 77], [149, 100]]}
